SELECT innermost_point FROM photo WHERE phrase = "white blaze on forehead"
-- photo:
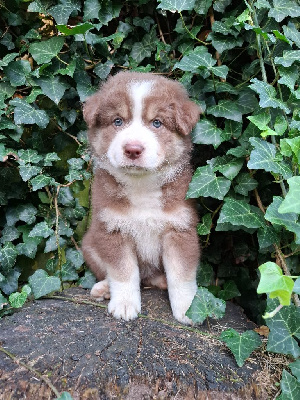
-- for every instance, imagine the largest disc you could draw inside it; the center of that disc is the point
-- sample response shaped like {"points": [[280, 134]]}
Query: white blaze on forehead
{"points": [[138, 91]]}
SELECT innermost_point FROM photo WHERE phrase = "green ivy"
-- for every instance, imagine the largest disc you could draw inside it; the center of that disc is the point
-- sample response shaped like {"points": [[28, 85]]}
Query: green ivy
{"points": [[240, 63]]}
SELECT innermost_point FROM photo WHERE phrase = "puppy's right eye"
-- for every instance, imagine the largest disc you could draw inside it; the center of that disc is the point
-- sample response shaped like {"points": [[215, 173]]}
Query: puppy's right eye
{"points": [[118, 122]]}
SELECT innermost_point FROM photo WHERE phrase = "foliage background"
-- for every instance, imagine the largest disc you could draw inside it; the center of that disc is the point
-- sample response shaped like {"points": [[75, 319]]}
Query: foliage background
{"points": [[238, 60]]}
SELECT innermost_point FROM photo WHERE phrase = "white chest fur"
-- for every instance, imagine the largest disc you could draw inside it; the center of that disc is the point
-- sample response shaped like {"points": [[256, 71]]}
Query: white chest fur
{"points": [[145, 220]]}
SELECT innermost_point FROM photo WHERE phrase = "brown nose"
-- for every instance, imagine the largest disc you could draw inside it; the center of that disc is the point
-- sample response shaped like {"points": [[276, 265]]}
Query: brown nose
{"points": [[133, 150]]}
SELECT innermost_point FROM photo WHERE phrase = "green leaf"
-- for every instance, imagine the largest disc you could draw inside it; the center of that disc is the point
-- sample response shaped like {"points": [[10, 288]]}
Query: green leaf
{"points": [[41, 229], [40, 181], [288, 76], [204, 305], [295, 368], [39, 6], [91, 9], [68, 272], [8, 255], [205, 227], [240, 213], [288, 147], [229, 291], [222, 43], [291, 203], [264, 157], [18, 299], [226, 109], [205, 274], [273, 281], [206, 132], [284, 328], [41, 283], [296, 288], [79, 29], [288, 220], [206, 183], [53, 87], [261, 120], [63, 10], [28, 171], [17, 72], [267, 236], [176, 5], [228, 165], [245, 184], [75, 257], [9, 233], [65, 396], [199, 58], [26, 114], [292, 33], [284, 8], [290, 387], [44, 51], [241, 344], [143, 49], [103, 70], [288, 58], [267, 95], [88, 280], [7, 59]]}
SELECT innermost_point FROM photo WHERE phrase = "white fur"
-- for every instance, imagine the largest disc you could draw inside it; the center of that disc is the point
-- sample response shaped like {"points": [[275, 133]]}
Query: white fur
{"points": [[136, 132], [125, 300]]}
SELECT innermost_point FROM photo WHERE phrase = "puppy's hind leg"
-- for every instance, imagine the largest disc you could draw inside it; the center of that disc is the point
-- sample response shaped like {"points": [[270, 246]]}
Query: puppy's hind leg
{"points": [[100, 290]]}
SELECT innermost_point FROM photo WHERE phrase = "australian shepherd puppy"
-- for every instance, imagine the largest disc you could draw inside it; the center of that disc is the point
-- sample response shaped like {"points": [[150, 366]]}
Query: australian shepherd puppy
{"points": [[142, 228]]}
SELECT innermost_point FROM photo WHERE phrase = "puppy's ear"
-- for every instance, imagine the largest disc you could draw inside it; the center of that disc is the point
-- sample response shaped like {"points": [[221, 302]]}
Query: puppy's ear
{"points": [[91, 110], [187, 115]]}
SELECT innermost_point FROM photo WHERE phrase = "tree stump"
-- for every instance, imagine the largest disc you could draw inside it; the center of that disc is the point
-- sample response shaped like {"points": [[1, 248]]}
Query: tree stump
{"points": [[81, 349]]}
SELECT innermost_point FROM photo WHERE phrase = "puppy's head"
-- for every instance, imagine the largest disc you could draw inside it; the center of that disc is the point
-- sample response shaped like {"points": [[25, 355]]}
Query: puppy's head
{"points": [[140, 122]]}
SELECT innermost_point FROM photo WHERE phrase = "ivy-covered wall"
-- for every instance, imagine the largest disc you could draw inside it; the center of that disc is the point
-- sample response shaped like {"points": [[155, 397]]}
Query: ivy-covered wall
{"points": [[238, 60]]}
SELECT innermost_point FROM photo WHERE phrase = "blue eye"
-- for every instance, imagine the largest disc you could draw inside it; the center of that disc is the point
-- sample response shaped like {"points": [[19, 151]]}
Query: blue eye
{"points": [[118, 121], [156, 123]]}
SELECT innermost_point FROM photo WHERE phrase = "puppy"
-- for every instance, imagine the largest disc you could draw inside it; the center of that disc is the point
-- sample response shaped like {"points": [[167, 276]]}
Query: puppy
{"points": [[142, 228]]}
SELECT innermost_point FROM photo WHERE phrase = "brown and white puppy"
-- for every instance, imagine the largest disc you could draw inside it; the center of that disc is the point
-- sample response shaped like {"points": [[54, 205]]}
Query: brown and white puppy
{"points": [[142, 227]]}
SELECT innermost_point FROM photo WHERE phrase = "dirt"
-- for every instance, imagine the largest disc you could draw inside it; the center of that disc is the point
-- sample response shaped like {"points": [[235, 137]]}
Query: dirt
{"points": [[81, 349]]}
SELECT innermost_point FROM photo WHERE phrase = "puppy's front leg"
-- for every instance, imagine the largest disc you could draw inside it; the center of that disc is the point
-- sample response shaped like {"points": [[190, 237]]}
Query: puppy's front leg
{"points": [[181, 255], [124, 285]]}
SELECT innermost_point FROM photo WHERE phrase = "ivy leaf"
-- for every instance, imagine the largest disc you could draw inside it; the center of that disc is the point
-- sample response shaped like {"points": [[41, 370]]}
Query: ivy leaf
{"points": [[63, 10], [53, 87], [228, 166], [204, 305], [245, 184], [290, 387], [41, 229], [288, 76], [88, 280], [44, 51], [41, 283], [205, 274], [26, 114], [273, 281], [284, 328], [206, 132], [75, 257], [241, 344], [289, 147], [176, 5], [91, 9], [143, 49], [284, 8], [18, 299], [103, 70], [65, 396], [205, 227], [295, 368], [288, 220], [222, 43], [267, 95], [40, 181], [260, 120], [239, 212], [292, 33], [200, 57], [229, 291], [288, 58], [206, 183], [39, 6], [296, 288], [7, 59], [10, 283], [291, 203], [267, 236], [8, 255], [79, 29], [68, 272], [264, 157], [17, 71], [28, 171], [226, 109], [27, 213]]}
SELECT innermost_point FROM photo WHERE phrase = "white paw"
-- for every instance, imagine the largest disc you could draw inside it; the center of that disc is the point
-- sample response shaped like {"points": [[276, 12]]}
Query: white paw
{"points": [[181, 298], [100, 290], [125, 309]]}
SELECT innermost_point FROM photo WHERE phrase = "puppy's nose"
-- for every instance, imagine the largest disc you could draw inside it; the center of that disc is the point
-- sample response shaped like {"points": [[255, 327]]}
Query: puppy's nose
{"points": [[133, 150]]}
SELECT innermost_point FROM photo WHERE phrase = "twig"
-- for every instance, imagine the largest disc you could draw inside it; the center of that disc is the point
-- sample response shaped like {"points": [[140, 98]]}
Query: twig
{"points": [[31, 369]]}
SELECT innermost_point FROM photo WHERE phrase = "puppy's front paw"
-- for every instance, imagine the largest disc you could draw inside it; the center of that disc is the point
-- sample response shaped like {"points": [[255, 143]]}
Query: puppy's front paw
{"points": [[126, 309], [100, 290]]}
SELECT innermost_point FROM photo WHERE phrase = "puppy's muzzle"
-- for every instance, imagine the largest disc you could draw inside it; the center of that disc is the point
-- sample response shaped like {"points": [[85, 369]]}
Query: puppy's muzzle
{"points": [[133, 151]]}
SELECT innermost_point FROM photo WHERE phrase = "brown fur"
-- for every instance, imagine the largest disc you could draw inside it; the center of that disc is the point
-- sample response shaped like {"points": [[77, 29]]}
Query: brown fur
{"points": [[169, 103]]}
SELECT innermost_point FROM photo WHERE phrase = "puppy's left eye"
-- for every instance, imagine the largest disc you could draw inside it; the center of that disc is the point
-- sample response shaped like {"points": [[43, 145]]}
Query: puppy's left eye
{"points": [[156, 123], [118, 122]]}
